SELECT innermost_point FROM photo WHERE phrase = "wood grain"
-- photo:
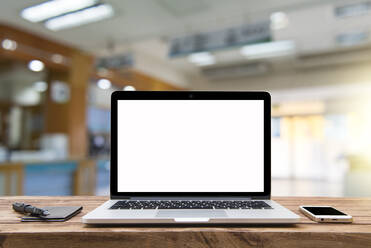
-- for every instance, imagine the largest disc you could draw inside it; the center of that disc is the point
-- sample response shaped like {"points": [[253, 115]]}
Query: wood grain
{"points": [[75, 234], [78, 80]]}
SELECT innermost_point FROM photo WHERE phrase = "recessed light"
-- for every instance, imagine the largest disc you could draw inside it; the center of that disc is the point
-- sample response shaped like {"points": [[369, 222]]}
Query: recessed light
{"points": [[8, 44], [36, 65], [53, 8], [279, 20], [78, 18], [104, 84], [202, 58], [129, 88]]}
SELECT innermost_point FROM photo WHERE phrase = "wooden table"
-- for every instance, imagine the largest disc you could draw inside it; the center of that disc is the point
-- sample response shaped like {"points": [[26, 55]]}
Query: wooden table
{"points": [[73, 233]]}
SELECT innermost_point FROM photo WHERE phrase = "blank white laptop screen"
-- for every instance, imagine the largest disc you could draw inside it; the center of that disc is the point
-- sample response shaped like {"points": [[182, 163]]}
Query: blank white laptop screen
{"points": [[190, 145]]}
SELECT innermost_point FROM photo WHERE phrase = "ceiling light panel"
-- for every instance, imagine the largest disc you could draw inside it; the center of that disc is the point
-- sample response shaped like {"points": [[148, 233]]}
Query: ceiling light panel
{"points": [[202, 58], [269, 49], [85, 16], [50, 9]]}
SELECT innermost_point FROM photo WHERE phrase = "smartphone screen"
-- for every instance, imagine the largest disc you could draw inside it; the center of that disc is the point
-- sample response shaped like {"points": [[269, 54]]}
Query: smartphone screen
{"points": [[323, 211]]}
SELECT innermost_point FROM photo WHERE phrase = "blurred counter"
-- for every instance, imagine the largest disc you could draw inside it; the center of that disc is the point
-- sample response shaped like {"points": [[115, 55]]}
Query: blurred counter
{"points": [[64, 177]]}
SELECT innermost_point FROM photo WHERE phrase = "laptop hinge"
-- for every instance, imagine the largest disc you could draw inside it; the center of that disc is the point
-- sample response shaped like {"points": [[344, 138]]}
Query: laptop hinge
{"points": [[180, 198], [113, 197], [264, 197]]}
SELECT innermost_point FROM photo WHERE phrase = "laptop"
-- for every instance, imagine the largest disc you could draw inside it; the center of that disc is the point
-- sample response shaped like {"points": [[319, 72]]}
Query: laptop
{"points": [[190, 157]]}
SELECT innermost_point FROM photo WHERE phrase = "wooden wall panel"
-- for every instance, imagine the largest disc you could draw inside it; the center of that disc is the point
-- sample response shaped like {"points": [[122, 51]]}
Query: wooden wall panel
{"points": [[35, 41], [79, 77], [70, 117], [56, 114]]}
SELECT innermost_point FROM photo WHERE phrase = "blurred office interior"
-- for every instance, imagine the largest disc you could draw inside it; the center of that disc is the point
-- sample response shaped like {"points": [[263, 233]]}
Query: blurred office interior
{"points": [[60, 61]]}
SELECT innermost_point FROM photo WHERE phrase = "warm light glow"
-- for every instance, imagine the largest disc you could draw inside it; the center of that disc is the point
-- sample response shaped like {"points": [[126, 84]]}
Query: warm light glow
{"points": [[40, 86], [92, 14], [202, 58], [57, 58], [269, 49], [36, 65], [49, 9], [104, 84], [8, 44], [299, 108], [129, 88]]}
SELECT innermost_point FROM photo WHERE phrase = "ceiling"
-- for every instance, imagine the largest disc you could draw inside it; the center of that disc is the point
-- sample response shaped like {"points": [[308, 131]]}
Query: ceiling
{"points": [[147, 19], [145, 27]]}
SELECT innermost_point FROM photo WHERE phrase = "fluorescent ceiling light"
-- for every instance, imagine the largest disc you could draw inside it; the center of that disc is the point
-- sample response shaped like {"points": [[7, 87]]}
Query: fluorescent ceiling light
{"points": [[81, 17], [49, 9], [36, 65], [129, 88], [202, 58], [104, 84], [279, 20], [269, 49]]}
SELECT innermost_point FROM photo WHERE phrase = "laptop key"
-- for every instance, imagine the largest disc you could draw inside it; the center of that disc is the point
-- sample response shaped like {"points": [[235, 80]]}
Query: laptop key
{"points": [[185, 204]]}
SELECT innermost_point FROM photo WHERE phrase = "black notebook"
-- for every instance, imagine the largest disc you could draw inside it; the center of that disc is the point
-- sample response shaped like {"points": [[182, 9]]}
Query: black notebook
{"points": [[56, 214]]}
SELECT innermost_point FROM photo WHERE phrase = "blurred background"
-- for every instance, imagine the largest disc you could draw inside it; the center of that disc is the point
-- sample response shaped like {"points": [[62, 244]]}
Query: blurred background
{"points": [[61, 59]]}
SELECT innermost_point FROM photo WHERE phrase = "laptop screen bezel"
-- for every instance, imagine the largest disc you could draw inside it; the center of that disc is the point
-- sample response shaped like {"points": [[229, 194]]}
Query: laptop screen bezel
{"points": [[191, 95]]}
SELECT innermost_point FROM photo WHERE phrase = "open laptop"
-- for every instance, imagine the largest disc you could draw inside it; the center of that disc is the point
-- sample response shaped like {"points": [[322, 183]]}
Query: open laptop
{"points": [[190, 157]]}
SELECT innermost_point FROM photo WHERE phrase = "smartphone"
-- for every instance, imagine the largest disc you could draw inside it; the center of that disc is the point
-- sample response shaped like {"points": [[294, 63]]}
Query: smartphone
{"points": [[325, 214]]}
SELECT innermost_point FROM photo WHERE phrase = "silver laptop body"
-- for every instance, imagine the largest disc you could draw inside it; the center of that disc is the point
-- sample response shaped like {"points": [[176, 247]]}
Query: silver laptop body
{"points": [[190, 157]]}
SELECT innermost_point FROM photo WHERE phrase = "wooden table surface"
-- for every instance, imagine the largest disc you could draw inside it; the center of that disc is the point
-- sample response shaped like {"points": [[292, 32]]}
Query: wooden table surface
{"points": [[73, 233]]}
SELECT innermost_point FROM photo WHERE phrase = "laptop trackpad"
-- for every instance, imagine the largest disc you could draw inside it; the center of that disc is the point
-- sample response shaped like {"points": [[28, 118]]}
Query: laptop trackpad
{"points": [[191, 214]]}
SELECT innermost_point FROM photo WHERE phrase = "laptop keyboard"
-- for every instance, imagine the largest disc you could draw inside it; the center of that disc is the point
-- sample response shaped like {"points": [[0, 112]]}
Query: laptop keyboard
{"points": [[129, 204]]}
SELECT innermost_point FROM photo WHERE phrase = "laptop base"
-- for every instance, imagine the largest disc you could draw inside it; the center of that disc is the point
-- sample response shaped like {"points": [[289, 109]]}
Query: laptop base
{"points": [[277, 215]]}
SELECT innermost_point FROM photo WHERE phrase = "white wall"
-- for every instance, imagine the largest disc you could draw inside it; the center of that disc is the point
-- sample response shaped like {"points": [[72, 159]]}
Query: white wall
{"points": [[298, 84]]}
